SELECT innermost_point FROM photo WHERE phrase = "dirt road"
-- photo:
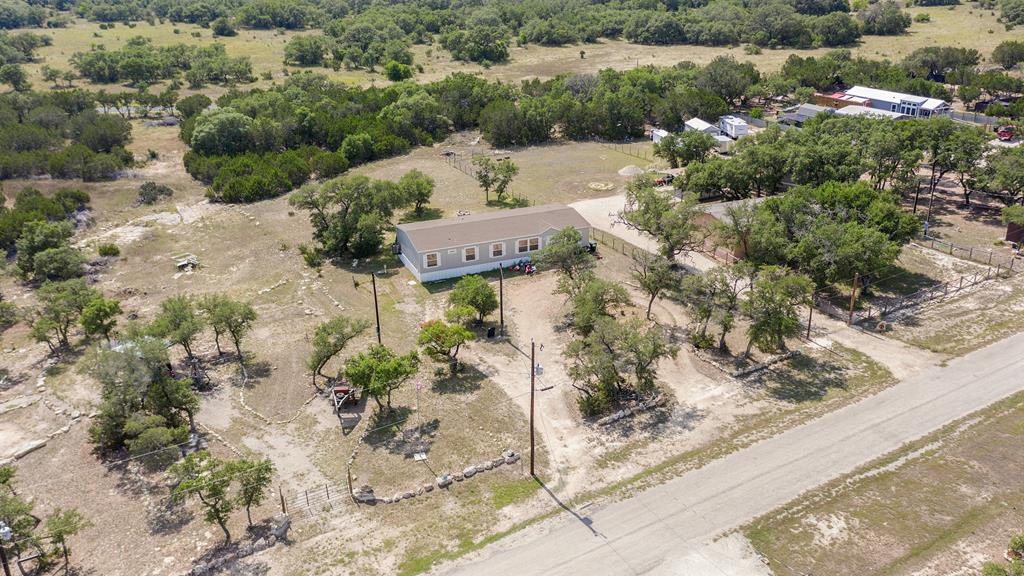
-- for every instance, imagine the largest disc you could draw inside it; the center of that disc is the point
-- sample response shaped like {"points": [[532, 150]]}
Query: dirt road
{"points": [[658, 529]]}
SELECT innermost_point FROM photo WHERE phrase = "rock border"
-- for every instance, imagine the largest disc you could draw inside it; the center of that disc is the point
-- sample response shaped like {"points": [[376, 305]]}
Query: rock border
{"points": [[364, 494]]}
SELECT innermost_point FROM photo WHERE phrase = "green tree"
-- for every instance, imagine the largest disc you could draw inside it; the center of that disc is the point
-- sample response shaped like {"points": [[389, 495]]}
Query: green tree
{"points": [[674, 224], [967, 147], [1008, 53], [475, 292], [379, 371], [597, 298], [230, 317], [15, 76], [442, 341], [735, 227], [771, 307], [207, 478], [615, 358], [495, 175], [655, 275], [38, 236], [99, 317], [566, 253], [254, 477], [329, 339], [62, 307], [61, 263], [178, 322], [417, 188], [1004, 176]]}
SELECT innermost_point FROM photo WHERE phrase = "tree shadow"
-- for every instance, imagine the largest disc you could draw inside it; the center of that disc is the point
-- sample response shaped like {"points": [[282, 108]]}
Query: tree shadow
{"points": [[467, 380], [166, 517], [428, 213], [802, 379], [414, 439], [510, 202], [258, 369], [384, 426], [897, 281]]}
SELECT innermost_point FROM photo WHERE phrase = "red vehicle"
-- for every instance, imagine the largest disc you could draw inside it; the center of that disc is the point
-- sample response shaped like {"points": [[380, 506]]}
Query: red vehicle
{"points": [[344, 395], [1006, 132]]}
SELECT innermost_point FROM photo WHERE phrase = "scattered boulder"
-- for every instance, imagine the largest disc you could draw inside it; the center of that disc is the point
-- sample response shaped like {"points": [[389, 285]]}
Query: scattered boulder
{"points": [[511, 457], [282, 523], [428, 487], [469, 472], [444, 480], [364, 494]]}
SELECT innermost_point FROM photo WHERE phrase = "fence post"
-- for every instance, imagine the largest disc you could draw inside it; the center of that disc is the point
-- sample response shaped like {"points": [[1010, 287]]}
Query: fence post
{"points": [[961, 284], [989, 257], [280, 492], [970, 254], [945, 289]]}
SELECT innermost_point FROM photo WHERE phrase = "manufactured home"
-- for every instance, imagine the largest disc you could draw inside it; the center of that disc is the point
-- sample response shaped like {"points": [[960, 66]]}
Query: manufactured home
{"points": [[905, 105], [453, 247], [700, 126]]}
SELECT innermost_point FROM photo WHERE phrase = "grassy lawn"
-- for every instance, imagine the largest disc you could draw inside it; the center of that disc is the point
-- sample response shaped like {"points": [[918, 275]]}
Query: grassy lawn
{"points": [[944, 503]]}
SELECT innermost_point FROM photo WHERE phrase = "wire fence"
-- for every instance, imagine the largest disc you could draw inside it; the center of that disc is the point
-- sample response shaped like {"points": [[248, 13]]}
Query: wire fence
{"points": [[464, 165], [633, 149], [617, 244], [985, 256]]}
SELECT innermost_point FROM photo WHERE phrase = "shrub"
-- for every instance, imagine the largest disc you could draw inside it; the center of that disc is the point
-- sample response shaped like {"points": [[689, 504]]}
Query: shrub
{"points": [[594, 404], [108, 250], [397, 71], [151, 192], [922, 17]]}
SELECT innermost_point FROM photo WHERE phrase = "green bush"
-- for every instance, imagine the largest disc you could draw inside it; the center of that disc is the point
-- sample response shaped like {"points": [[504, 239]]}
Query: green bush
{"points": [[594, 405], [107, 250], [151, 192]]}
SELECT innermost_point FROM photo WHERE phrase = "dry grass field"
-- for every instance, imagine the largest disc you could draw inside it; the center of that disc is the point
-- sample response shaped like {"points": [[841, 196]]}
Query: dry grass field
{"points": [[963, 25], [941, 505]]}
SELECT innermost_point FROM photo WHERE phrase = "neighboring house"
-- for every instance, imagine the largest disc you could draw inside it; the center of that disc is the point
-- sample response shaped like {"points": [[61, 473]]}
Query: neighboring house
{"points": [[452, 247], [896, 102], [732, 126], [700, 126], [797, 115], [871, 113], [716, 212], [657, 134]]}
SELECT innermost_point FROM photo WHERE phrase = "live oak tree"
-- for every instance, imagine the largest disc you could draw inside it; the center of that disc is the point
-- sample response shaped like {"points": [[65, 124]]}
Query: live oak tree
{"points": [[63, 524], [206, 478], [417, 188], [99, 317], [476, 293], [329, 339], [442, 341], [596, 298], [62, 306], [495, 175], [379, 371], [771, 307], [565, 253], [655, 275], [254, 477], [684, 148], [614, 358], [674, 224], [178, 322], [231, 317]]}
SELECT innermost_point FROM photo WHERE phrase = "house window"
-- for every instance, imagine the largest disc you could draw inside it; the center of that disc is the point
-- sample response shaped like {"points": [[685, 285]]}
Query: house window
{"points": [[497, 250], [528, 245], [431, 260], [469, 254]]}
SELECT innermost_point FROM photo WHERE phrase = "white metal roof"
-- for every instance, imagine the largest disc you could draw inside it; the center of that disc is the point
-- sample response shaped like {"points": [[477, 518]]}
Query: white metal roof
{"points": [[697, 124], [895, 97], [733, 120]]}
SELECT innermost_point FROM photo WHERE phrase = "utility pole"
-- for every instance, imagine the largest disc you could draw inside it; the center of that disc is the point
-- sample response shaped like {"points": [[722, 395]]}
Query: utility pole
{"points": [[810, 314], [501, 299], [533, 374], [376, 307], [853, 297]]}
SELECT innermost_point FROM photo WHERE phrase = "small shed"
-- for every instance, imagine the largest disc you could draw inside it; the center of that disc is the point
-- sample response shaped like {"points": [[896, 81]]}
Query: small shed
{"points": [[732, 126], [700, 126], [723, 143], [657, 134]]}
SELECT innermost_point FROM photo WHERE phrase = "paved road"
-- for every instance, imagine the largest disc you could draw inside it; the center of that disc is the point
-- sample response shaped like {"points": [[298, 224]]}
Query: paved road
{"points": [[646, 533]]}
